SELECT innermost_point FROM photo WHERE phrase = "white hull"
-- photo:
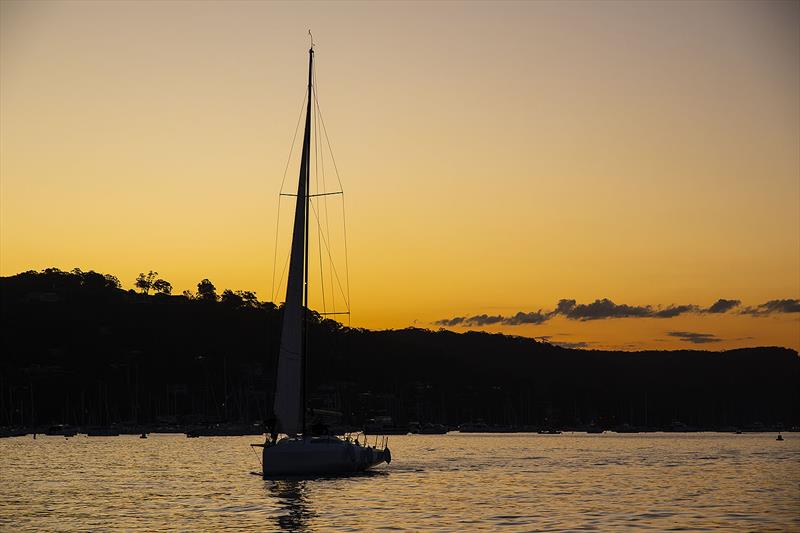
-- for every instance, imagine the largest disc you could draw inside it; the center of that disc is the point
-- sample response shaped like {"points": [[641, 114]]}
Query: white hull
{"points": [[319, 456]]}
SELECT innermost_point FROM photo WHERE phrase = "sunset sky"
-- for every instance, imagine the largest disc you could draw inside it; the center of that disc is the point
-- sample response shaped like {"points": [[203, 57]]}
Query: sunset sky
{"points": [[497, 158]]}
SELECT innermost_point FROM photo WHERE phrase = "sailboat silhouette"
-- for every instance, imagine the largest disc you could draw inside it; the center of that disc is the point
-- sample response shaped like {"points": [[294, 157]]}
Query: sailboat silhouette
{"points": [[291, 449]]}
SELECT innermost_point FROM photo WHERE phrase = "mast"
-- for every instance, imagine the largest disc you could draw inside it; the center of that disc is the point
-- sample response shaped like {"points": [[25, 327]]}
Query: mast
{"points": [[290, 387], [306, 164]]}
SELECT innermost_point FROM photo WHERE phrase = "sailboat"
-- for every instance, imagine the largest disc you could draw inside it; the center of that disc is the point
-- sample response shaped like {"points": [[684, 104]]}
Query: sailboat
{"points": [[290, 448]]}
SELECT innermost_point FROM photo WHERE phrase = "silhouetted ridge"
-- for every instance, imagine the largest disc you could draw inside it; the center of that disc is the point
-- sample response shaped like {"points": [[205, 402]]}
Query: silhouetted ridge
{"points": [[79, 349]]}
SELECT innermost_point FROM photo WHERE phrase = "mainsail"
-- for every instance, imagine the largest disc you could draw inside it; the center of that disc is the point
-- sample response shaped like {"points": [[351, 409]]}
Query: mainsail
{"points": [[289, 403]]}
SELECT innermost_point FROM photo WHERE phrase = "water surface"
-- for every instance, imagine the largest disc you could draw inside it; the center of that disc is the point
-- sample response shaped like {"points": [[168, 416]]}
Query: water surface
{"points": [[454, 482]]}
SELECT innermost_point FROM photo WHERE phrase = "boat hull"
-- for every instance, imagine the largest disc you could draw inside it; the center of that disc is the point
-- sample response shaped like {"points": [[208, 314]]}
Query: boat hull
{"points": [[319, 456]]}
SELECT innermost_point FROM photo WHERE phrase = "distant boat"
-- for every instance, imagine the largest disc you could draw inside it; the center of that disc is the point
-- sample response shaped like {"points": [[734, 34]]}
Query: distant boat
{"points": [[290, 448], [549, 432], [228, 430], [61, 430], [5, 433], [433, 429], [474, 427], [383, 425], [481, 427], [594, 428], [102, 432]]}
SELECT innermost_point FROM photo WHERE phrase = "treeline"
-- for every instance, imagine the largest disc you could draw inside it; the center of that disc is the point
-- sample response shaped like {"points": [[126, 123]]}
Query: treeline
{"points": [[78, 349]]}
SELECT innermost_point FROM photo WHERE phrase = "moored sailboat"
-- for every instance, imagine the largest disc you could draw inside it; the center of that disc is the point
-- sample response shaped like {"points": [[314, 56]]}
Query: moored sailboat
{"points": [[291, 449]]}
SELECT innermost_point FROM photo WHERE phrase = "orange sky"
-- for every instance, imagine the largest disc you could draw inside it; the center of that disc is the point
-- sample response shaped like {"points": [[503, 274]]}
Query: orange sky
{"points": [[497, 157]]}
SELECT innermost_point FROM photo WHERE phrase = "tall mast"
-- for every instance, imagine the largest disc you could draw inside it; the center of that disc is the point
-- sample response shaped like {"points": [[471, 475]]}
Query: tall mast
{"points": [[306, 164], [290, 385]]}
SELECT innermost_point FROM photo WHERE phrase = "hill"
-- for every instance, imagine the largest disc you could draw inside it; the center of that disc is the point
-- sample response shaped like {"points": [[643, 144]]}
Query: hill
{"points": [[78, 349]]}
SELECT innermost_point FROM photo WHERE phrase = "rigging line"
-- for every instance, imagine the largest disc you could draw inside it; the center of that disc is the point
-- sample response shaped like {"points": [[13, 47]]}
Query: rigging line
{"points": [[283, 181], [327, 140], [346, 261], [324, 188], [316, 178], [313, 195], [347, 303], [327, 218], [341, 188], [294, 137], [280, 281], [275, 251], [259, 458]]}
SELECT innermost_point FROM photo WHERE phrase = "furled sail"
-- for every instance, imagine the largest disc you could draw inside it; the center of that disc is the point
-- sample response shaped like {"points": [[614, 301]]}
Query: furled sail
{"points": [[289, 385]]}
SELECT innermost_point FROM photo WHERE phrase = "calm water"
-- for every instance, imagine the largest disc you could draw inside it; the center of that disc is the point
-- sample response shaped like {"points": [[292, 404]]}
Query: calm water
{"points": [[444, 482]]}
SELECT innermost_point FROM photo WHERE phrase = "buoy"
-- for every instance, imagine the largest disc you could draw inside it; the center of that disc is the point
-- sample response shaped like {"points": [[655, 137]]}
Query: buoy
{"points": [[143, 435], [780, 437]]}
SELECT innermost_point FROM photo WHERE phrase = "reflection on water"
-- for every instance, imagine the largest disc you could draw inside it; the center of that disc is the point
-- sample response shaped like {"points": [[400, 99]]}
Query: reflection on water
{"points": [[517, 482], [292, 496]]}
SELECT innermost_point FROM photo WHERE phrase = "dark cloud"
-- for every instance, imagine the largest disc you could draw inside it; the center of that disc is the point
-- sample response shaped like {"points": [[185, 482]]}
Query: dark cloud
{"points": [[598, 309], [455, 321], [695, 338], [565, 306], [604, 308], [527, 318], [477, 320], [675, 310], [774, 306], [723, 306], [520, 318]]}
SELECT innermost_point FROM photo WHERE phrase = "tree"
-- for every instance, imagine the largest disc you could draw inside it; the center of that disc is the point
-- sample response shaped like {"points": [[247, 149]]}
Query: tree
{"points": [[239, 298], [145, 282], [162, 286], [206, 291], [112, 281], [231, 298], [249, 298]]}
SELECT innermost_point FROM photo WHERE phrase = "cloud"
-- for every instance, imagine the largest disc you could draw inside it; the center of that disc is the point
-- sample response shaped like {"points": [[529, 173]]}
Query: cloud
{"points": [[518, 319], [723, 306], [477, 320], [598, 309], [484, 320], [774, 306], [675, 310], [603, 308], [455, 321], [695, 338], [527, 318]]}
